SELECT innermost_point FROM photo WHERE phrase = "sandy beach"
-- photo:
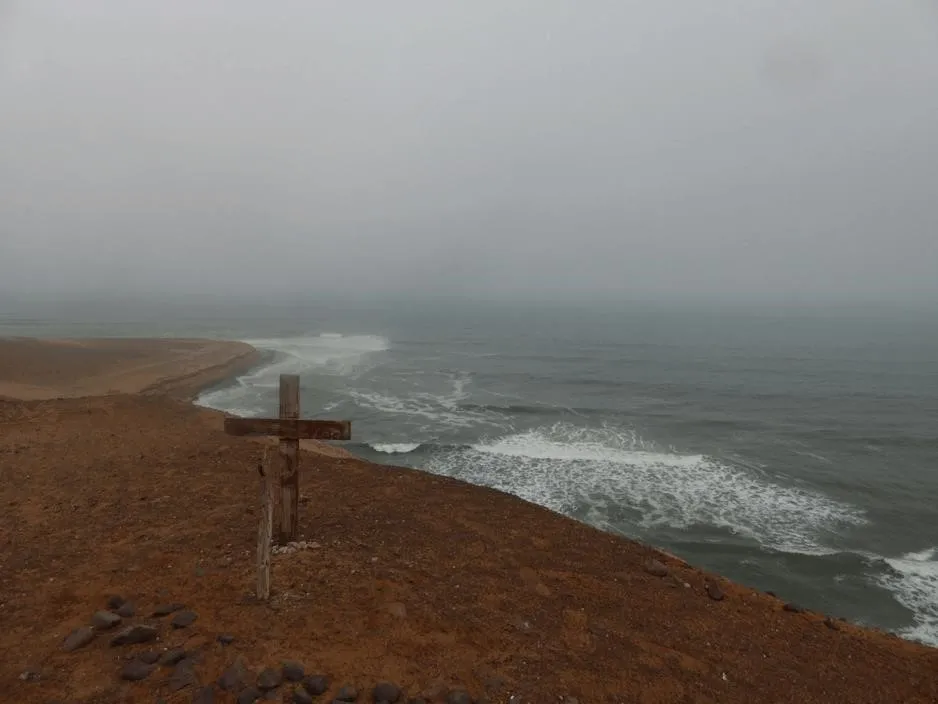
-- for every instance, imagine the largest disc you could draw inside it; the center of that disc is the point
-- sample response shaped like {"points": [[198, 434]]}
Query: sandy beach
{"points": [[113, 483]]}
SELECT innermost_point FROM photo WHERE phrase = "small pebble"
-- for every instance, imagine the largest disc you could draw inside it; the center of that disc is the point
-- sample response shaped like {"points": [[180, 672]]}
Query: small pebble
{"points": [[127, 610], [656, 568], [793, 608], [269, 679], [78, 638], [301, 696], [105, 620], [135, 635], [316, 684], [167, 609], [226, 639], [293, 671], [136, 670], [458, 696], [347, 694], [173, 657], [831, 624], [184, 619], [714, 591], [386, 692], [115, 602], [249, 695]]}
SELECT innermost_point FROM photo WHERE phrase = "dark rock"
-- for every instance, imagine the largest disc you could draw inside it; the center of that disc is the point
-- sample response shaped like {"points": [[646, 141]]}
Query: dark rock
{"points": [[249, 695], [150, 657], [226, 639], [386, 692], [416, 700], [293, 672], [656, 568], [136, 670], [184, 619], [234, 677], [183, 676], [127, 610], [105, 620], [29, 676], [793, 608], [272, 695], [167, 609], [205, 695], [114, 602], [714, 591], [134, 635], [831, 624], [78, 638], [316, 684], [458, 696], [269, 679], [772, 594], [301, 696], [347, 694], [173, 657]]}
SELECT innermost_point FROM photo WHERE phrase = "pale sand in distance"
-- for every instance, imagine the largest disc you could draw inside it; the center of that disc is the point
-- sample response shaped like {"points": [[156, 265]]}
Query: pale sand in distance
{"points": [[33, 369]]}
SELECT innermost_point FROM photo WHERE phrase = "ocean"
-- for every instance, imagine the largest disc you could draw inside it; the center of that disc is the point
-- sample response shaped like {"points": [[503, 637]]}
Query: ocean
{"points": [[790, 449]]}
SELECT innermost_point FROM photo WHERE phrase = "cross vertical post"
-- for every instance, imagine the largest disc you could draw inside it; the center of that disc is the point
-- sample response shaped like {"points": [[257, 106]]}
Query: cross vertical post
{"points": [[289, 454]]}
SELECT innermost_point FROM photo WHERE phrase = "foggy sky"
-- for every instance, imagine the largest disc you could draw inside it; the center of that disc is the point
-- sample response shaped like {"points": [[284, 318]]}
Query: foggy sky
{"points": [[678, 149]]}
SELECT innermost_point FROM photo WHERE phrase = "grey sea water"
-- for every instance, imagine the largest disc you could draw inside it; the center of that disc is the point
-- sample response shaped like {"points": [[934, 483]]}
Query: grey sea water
{"points": [[793, 450]]}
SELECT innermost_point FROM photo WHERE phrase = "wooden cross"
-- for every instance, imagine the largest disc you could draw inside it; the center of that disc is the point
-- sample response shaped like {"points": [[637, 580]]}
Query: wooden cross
{"points": [[290, 429]]}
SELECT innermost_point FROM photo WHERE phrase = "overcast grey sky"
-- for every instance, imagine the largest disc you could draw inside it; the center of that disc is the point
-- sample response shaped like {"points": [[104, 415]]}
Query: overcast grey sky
{"points": [[756, 149]]}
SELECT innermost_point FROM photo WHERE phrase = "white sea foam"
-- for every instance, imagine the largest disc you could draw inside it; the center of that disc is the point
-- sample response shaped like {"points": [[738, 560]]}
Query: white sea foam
{"points": [[441, 408], [395, 448], [914, 583], [328, 353], [563, 468]]}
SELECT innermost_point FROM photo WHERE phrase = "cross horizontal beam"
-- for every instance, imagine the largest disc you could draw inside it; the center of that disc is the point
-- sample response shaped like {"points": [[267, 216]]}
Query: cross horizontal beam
{"points": [[293, 429]]}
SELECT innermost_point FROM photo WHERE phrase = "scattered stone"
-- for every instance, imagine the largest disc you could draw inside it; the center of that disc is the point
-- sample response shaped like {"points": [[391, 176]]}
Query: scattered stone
{"points": [[114, 602], [29, 676], [397, 609], [249, 695], [293, 671], [386, 692], [458, 696], [226, 639], [173, 657], [150, 657], [772, 594], [793, 608], [206, 695], [135, 635], [184, 619], [301, 696], [105, 620], [78, 638], [269, 679], [234, 677], [127, 610], [167, 609], [183, 676], [714, 591], [656, 568], [136, 670], [417, 700], [316, 684], [831, 624], [347, 694]]}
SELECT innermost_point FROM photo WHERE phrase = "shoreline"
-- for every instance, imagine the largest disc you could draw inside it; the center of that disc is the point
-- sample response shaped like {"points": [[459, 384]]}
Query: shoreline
{"points": [[414, 577], [40, 369]]}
